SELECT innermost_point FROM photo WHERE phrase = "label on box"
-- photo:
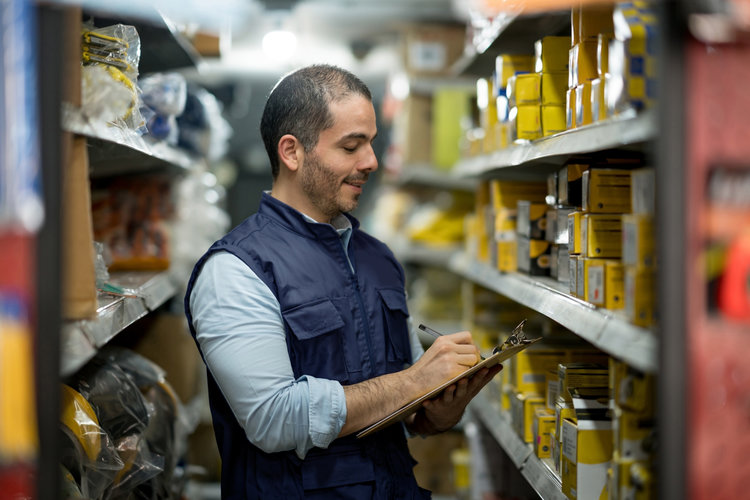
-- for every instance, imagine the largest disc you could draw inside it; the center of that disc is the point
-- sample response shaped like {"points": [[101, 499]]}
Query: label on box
{"points": [[581, 281], [569, 441], [427, 56], [595, 285], [573, 274]]}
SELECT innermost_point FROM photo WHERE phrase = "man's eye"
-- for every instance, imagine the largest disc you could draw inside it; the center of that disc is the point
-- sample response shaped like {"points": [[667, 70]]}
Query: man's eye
{"points": [[350, 149]]}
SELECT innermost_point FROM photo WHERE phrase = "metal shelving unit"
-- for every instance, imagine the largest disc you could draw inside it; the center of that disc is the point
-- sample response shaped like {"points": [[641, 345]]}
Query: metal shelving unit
{"points": [[607, 330], [116, 150], [429, 176], [486, 408], [145, 292], [628, 130], [407, 251]]}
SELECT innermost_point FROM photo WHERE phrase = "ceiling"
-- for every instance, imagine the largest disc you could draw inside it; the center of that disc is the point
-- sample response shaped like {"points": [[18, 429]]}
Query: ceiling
{"points": [[362, 35]]}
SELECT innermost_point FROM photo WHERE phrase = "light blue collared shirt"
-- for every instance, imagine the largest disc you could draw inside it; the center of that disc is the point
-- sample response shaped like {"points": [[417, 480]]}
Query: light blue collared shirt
{"points": [[241, 333]]}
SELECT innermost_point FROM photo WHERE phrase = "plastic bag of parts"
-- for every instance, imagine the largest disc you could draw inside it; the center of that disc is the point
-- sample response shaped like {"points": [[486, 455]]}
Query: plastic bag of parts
{"points": [[199, 219], [139, 416], [140, 465], [87, 452], [165, 435], [115, 398], [202, 127], [109, 76], [164, 96]]}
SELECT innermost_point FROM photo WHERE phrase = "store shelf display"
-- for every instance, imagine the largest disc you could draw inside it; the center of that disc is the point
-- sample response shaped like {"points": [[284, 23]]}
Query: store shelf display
{"points": [[607, 330], [143, 292], [485, 407], [539, 157]]}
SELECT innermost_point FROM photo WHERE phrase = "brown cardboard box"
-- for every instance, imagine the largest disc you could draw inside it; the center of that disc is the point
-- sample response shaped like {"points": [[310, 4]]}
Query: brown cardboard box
{"points": [[434, 470], [167, 342], [431, 49], [78, 275], [413, 130]]}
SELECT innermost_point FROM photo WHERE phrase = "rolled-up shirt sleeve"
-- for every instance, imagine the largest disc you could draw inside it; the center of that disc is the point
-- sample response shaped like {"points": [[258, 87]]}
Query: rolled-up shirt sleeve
{"points": [[241, 334]]}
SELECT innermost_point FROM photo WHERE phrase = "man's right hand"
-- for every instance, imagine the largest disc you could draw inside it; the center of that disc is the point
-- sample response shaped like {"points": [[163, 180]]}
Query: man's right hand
{"points": [[448, 357]]}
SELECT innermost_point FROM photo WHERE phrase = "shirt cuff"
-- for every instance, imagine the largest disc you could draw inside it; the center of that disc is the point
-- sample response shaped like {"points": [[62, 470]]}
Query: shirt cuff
{"points": [[327, 406]]}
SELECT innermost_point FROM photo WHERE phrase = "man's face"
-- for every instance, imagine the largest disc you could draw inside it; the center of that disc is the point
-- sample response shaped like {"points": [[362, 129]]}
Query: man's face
{"points": [[333, 174]]}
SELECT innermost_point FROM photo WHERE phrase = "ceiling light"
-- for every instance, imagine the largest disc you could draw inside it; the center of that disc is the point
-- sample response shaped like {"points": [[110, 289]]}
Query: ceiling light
{"points": [[279, 45]]}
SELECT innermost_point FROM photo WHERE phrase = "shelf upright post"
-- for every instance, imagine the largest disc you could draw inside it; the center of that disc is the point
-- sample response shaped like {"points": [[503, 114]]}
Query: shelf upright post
{"points": [[51, 28], [671, 292]]}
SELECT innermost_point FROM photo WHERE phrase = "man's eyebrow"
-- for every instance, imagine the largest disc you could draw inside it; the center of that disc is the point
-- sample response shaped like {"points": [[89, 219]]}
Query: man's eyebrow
{"points": [[357, 136]]}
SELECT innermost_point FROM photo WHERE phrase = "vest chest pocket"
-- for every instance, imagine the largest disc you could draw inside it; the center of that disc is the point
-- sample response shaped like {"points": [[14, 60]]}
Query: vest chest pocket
{"points": [[395, 314], [317, 346]]}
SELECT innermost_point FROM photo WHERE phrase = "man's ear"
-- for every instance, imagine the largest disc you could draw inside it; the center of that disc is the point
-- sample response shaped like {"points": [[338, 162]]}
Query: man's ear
{"points": [[290, 152]]}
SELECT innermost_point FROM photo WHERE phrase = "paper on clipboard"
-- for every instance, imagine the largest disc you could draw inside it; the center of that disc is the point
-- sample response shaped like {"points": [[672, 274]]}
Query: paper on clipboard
{"points": [[506, 352]]}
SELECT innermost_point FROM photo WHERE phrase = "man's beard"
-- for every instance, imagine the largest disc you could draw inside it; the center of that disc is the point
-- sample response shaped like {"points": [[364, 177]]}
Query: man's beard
{"points": [[323, 187]]}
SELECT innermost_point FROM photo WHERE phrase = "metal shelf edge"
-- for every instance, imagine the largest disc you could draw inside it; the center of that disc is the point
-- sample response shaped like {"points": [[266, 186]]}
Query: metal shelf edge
{"points": [[429, 176], [81, 339], [531, 467], [75, 122], [635, 345], [612, 133]]}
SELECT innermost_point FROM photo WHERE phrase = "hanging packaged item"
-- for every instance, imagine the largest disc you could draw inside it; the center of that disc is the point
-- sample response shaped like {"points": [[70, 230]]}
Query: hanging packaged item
{"points": [[109, 77]]}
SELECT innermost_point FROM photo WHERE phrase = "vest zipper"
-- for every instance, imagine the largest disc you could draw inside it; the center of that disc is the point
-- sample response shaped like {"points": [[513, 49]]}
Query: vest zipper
{"points": [[365, 322]]}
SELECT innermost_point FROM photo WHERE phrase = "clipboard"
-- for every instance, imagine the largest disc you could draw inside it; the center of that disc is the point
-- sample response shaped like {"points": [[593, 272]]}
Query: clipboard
{"points": [[501, 353]]}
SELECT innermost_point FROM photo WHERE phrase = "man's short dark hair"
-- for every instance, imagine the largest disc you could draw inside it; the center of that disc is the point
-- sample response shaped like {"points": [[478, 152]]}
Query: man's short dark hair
{"points": [[299, 105]]}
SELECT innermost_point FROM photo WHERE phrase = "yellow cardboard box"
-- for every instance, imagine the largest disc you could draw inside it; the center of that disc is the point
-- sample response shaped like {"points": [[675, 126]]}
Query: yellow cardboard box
{"points": [[634, 435], [632, 390], [553, 119], [583, 66], [614, 284], [575, 243], [586, 450], [551, 54], [638, 247], [570, 109], [506, 194], [579, 376], [601, 235], [583, 104], [640, 295], [573, 274], [606, 190], [544, 423], [523, 406], [507, 65], [598, 105], [525, 122], [529, 368], [554, 86]]}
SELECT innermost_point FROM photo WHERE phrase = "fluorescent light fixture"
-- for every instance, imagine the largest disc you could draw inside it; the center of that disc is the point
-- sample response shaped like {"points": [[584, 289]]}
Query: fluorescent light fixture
{"points": [[279, 45]]}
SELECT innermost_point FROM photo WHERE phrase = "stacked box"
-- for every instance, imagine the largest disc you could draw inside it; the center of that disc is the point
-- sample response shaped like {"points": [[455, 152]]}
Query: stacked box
{"points": [[524, 98], [601, 235], [607, 190], [543, 427], [523, 407], [631, 83], [586, 449], [532, 220], [639, 249], [633, 396]]}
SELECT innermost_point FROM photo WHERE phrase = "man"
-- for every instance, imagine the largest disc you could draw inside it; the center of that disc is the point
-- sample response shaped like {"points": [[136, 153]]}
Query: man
{"points": [[301, 318]]}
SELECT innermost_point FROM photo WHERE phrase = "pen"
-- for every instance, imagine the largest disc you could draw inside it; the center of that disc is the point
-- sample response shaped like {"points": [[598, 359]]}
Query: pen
{"points": [[429, 330], [437, 334]]}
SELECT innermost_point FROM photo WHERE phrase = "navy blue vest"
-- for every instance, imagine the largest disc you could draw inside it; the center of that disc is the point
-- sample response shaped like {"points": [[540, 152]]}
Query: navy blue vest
{"points": [[341, 325]]}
